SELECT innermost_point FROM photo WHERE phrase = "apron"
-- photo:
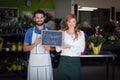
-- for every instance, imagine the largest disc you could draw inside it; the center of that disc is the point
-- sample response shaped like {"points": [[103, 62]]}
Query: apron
{"points": [[69, 68], [39, 67]]}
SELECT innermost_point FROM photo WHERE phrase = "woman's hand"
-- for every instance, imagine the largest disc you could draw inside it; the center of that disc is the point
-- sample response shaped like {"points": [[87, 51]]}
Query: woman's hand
{"points": [[59, 48], [65, 46]]}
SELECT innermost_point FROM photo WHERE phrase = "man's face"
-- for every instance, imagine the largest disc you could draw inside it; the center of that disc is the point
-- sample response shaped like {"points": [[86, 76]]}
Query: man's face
{"points": [[39, 19]]}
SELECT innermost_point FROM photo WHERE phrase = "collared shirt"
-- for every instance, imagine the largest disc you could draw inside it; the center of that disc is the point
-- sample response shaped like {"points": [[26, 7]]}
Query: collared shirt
{"points": [[77, 45], [28, 35]]}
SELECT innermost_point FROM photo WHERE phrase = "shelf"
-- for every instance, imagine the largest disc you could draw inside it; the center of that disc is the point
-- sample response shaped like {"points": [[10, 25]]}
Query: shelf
{"points": [[16, 34], [9, 54], [11, 59], [16, 75]]}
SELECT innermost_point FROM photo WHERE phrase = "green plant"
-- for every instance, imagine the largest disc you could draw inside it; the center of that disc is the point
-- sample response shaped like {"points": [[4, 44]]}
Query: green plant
{"points": [[96, 39], [1, 40]]}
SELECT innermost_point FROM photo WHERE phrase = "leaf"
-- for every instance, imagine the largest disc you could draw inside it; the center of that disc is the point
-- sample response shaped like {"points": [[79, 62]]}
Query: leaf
{"points": [[95, 39]]}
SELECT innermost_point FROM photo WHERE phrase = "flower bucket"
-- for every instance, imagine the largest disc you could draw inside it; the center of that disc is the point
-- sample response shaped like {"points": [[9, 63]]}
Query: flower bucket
{"points": [[96, 49], [1, 43]]}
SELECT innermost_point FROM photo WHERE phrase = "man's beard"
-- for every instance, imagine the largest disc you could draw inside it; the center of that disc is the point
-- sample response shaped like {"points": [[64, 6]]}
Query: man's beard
{"points": [[39, 24]]}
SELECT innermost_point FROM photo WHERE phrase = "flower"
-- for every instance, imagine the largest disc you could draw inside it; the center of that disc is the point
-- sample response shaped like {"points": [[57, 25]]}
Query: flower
{"points": [[96, 39], [112, 38]]}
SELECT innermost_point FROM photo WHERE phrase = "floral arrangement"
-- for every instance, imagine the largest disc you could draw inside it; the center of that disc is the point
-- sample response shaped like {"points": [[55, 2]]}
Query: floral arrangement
{"points": [[112, 38], [95, 42], [96, 39], [1, 43]]}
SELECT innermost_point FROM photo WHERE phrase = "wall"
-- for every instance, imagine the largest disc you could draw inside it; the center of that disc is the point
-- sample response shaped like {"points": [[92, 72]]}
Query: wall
{"points": [[62, 8], [21, 4]]}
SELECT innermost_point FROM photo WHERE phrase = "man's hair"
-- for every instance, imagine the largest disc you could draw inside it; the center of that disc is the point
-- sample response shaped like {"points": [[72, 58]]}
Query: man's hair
{"points": [[39, 12]]}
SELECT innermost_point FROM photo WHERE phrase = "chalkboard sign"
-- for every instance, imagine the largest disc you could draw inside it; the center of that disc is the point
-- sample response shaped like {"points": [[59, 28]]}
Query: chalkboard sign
{"points": [[52, 37]]}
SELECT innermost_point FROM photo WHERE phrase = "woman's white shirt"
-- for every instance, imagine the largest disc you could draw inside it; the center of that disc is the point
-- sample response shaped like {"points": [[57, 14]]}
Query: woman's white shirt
{"points": [[77, 46]]}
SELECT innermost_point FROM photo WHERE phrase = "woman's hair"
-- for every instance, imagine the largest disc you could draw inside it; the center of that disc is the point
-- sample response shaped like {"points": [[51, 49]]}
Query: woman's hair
{"points": [[68, 17]]}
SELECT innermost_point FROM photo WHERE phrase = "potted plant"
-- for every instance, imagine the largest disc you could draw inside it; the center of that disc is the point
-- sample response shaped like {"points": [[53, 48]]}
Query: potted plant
{"points": [[95, 42], [7, 45], [1, 43]]}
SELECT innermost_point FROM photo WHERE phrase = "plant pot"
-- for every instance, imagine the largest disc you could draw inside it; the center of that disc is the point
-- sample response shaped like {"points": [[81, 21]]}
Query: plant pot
{"points": [[96, 49], [1, 43]]}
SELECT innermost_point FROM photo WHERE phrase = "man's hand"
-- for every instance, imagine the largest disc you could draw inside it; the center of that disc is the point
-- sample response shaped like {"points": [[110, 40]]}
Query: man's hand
{"points": [[37, 41], [47, 48]]}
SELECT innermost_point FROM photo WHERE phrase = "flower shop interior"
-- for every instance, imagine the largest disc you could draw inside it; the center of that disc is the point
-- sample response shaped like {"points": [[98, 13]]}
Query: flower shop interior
{"points": [[97, 18]]}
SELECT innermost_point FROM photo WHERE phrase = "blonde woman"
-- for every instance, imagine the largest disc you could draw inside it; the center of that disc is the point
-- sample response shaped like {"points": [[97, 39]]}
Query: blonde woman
{"points": [[73, 46]]}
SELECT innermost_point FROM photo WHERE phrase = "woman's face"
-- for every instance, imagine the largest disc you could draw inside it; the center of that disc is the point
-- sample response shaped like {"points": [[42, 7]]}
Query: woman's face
{"points": [[39, 19], [71, 23]]}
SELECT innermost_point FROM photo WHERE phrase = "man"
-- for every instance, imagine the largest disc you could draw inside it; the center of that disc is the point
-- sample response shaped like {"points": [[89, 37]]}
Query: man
{"points": [[39, 65]]}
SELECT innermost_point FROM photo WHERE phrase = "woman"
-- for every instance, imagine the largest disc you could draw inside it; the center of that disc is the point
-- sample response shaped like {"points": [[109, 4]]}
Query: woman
{"points": [[39, 67], [73, 46]]}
